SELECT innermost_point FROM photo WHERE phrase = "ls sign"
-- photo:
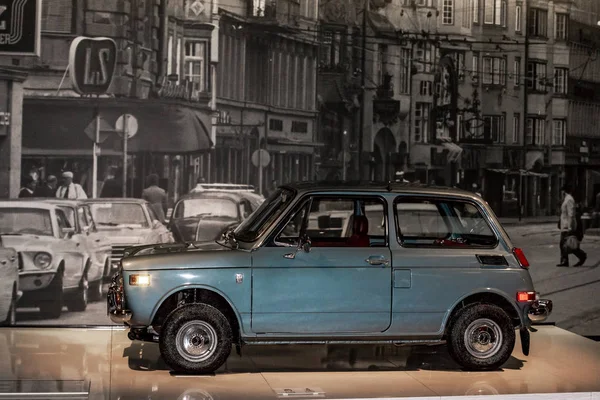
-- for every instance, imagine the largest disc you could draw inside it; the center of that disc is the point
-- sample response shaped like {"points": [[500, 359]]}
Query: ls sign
{"points": [[92, 63]]}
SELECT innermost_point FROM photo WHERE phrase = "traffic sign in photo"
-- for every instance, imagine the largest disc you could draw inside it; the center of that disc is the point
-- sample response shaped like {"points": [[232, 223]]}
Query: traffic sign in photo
{"points": [[20, 27]]}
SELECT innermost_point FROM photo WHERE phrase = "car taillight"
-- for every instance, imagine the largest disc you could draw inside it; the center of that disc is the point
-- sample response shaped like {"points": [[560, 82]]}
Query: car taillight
{"points": [[520, 255], [525, 297]]}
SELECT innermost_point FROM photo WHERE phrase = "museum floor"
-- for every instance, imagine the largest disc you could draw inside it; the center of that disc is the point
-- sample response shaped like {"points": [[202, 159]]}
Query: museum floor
{"points": [[102, 363]]}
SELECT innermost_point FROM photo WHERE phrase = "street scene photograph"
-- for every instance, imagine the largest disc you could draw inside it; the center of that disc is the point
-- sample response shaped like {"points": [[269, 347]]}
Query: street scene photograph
{"points": [[299, 199]]}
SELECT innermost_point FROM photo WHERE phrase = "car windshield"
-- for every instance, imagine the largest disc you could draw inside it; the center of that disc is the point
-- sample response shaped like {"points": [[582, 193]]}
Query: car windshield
{"points": [[261, 219], [206, 206], [25, 221], [119, 214]]}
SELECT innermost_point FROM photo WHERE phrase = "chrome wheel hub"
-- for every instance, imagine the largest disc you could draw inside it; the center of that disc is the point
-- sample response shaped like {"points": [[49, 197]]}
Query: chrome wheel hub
{"points": [[483, 338], [196, 341]]}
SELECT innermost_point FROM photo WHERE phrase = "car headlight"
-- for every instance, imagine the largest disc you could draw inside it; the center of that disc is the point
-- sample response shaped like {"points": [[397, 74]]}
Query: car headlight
{"points": [[139, 280], [42, 260]]}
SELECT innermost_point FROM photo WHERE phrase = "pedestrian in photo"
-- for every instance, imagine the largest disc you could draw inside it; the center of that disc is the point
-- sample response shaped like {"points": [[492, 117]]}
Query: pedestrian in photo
{"points": [[156, 196], [28, 188], [69, 189], [571, 232], [113, 186], [47, 189], [199, 188]]}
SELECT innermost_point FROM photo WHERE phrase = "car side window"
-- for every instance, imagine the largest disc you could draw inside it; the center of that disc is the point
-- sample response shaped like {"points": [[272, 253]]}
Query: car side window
{"points": [[62, 222], [339, 222], [81, 217], [90, 219], [442, 223]]}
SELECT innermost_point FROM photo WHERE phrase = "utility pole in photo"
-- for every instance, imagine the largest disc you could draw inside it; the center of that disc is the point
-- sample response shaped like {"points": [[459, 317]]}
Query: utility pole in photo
{"points": [[363, 85], [525, 109]]}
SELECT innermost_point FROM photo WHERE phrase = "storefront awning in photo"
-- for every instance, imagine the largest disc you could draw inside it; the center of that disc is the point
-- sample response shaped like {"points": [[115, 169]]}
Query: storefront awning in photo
{"points": [[51, 125]]}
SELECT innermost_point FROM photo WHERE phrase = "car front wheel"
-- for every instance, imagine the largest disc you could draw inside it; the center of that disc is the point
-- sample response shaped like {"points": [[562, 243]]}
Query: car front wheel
{"points": [[482, 337], [195, 338]]}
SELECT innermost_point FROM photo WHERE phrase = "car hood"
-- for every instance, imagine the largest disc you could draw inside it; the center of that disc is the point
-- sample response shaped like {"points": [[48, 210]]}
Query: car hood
{"points": [[118, 235], [209, 229], [28, 242], [184, 255]]}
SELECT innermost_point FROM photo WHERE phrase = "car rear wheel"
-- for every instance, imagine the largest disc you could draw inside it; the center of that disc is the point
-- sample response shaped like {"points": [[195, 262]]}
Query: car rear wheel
{"points": [[195, 338], [96, 290], [53, 302], [79, 299], [482, 337]]}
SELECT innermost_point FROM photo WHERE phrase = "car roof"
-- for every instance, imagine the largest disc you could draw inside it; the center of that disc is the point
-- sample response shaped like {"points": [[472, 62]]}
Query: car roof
{"points": [[370, 186], [215, 194], [27, 203], [130, 200]]}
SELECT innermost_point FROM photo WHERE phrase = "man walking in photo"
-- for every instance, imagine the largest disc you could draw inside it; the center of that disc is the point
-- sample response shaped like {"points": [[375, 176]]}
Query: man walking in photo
{"points": [[571, 232]]}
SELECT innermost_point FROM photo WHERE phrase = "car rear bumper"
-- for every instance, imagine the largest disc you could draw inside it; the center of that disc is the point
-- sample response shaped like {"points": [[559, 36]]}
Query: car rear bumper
{"points": [[540, 310]]}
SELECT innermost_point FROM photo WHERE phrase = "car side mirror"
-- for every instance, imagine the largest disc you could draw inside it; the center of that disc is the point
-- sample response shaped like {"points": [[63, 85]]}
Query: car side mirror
{"points": [[156, 224], [68, 232], [305, 244]]}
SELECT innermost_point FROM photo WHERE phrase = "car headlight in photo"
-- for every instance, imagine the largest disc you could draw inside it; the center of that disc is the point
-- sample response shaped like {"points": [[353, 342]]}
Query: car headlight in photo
{"points": [[42, 260]]}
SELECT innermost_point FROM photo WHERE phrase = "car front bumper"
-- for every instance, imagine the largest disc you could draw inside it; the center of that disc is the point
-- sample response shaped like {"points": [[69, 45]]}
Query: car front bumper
{"points": [[116, 307], [539, 311]]}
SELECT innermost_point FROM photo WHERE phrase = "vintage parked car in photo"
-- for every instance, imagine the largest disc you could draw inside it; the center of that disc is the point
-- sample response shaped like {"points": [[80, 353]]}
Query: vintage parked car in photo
{"points": [[9, 284], [436, 267], [95, 243], [127, 222], [53, 263], [205, 216]]}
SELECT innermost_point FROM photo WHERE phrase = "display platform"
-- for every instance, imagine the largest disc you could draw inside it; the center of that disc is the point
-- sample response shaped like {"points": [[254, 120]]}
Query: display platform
{"points": [[103, 364]]}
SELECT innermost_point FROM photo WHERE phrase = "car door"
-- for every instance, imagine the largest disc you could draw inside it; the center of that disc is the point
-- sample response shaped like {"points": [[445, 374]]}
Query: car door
{"points": [[342, 285], [71, 249]]}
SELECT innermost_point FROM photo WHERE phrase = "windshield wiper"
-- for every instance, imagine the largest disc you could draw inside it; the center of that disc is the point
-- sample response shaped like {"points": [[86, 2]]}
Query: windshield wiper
{"points": [[108, 223]]}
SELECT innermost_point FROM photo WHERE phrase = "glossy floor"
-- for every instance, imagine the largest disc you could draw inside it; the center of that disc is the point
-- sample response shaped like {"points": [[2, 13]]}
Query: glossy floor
{"points": [[112, 367]]}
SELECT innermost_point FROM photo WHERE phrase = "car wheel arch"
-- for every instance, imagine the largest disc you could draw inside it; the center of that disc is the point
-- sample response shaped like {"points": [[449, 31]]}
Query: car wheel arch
{"points": [[483, 297], [205, 295]]}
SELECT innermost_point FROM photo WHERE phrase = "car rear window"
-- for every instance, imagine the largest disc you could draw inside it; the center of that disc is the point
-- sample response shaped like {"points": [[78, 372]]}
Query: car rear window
{"points": [[442, 223]]}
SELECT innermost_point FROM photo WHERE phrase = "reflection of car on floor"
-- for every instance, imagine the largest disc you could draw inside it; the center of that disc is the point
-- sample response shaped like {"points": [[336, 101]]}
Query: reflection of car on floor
{"points": [[127, 222], [418, 265], [205, 216], [53, 262], [9, 284]]}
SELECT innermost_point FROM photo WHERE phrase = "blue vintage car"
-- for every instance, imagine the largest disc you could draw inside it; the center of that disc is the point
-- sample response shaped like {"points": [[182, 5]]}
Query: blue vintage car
{"points": [[336, 263]]}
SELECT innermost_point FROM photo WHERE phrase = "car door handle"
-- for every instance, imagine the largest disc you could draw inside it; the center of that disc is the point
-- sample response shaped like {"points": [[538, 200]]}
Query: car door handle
{"points": [[378, 260]]}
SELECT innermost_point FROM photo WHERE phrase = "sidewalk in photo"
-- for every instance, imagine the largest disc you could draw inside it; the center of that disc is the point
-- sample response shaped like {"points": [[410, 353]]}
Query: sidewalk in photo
{"points": [[529, 220]]}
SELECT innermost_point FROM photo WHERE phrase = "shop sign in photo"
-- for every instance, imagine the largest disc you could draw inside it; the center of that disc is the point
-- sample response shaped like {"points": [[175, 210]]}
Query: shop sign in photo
{"points": [[92, 63], [20, 27]]}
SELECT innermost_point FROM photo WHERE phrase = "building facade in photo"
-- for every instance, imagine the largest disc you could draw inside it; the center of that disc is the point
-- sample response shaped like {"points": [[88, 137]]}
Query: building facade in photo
{"points": [[167, 91], [583, 132]]}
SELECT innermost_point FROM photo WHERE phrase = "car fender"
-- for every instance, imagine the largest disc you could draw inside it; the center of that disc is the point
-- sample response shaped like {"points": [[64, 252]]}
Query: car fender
{"points": [[485, 290], [196, 286]]}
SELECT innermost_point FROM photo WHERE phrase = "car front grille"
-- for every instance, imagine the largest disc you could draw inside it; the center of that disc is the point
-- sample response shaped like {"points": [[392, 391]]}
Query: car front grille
{"points": [[118, 251]]}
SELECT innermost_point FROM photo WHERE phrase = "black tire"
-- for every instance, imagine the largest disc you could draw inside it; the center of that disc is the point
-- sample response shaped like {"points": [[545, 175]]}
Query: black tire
{"points": [[78, 301], [53, 303], [11, 317], [203, 318], [493, 327], [96, 292]]}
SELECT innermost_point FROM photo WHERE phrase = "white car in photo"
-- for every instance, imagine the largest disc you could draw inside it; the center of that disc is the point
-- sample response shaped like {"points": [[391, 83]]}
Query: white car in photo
{"points": [[127, 222], [53, 263], [9, 285]]}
